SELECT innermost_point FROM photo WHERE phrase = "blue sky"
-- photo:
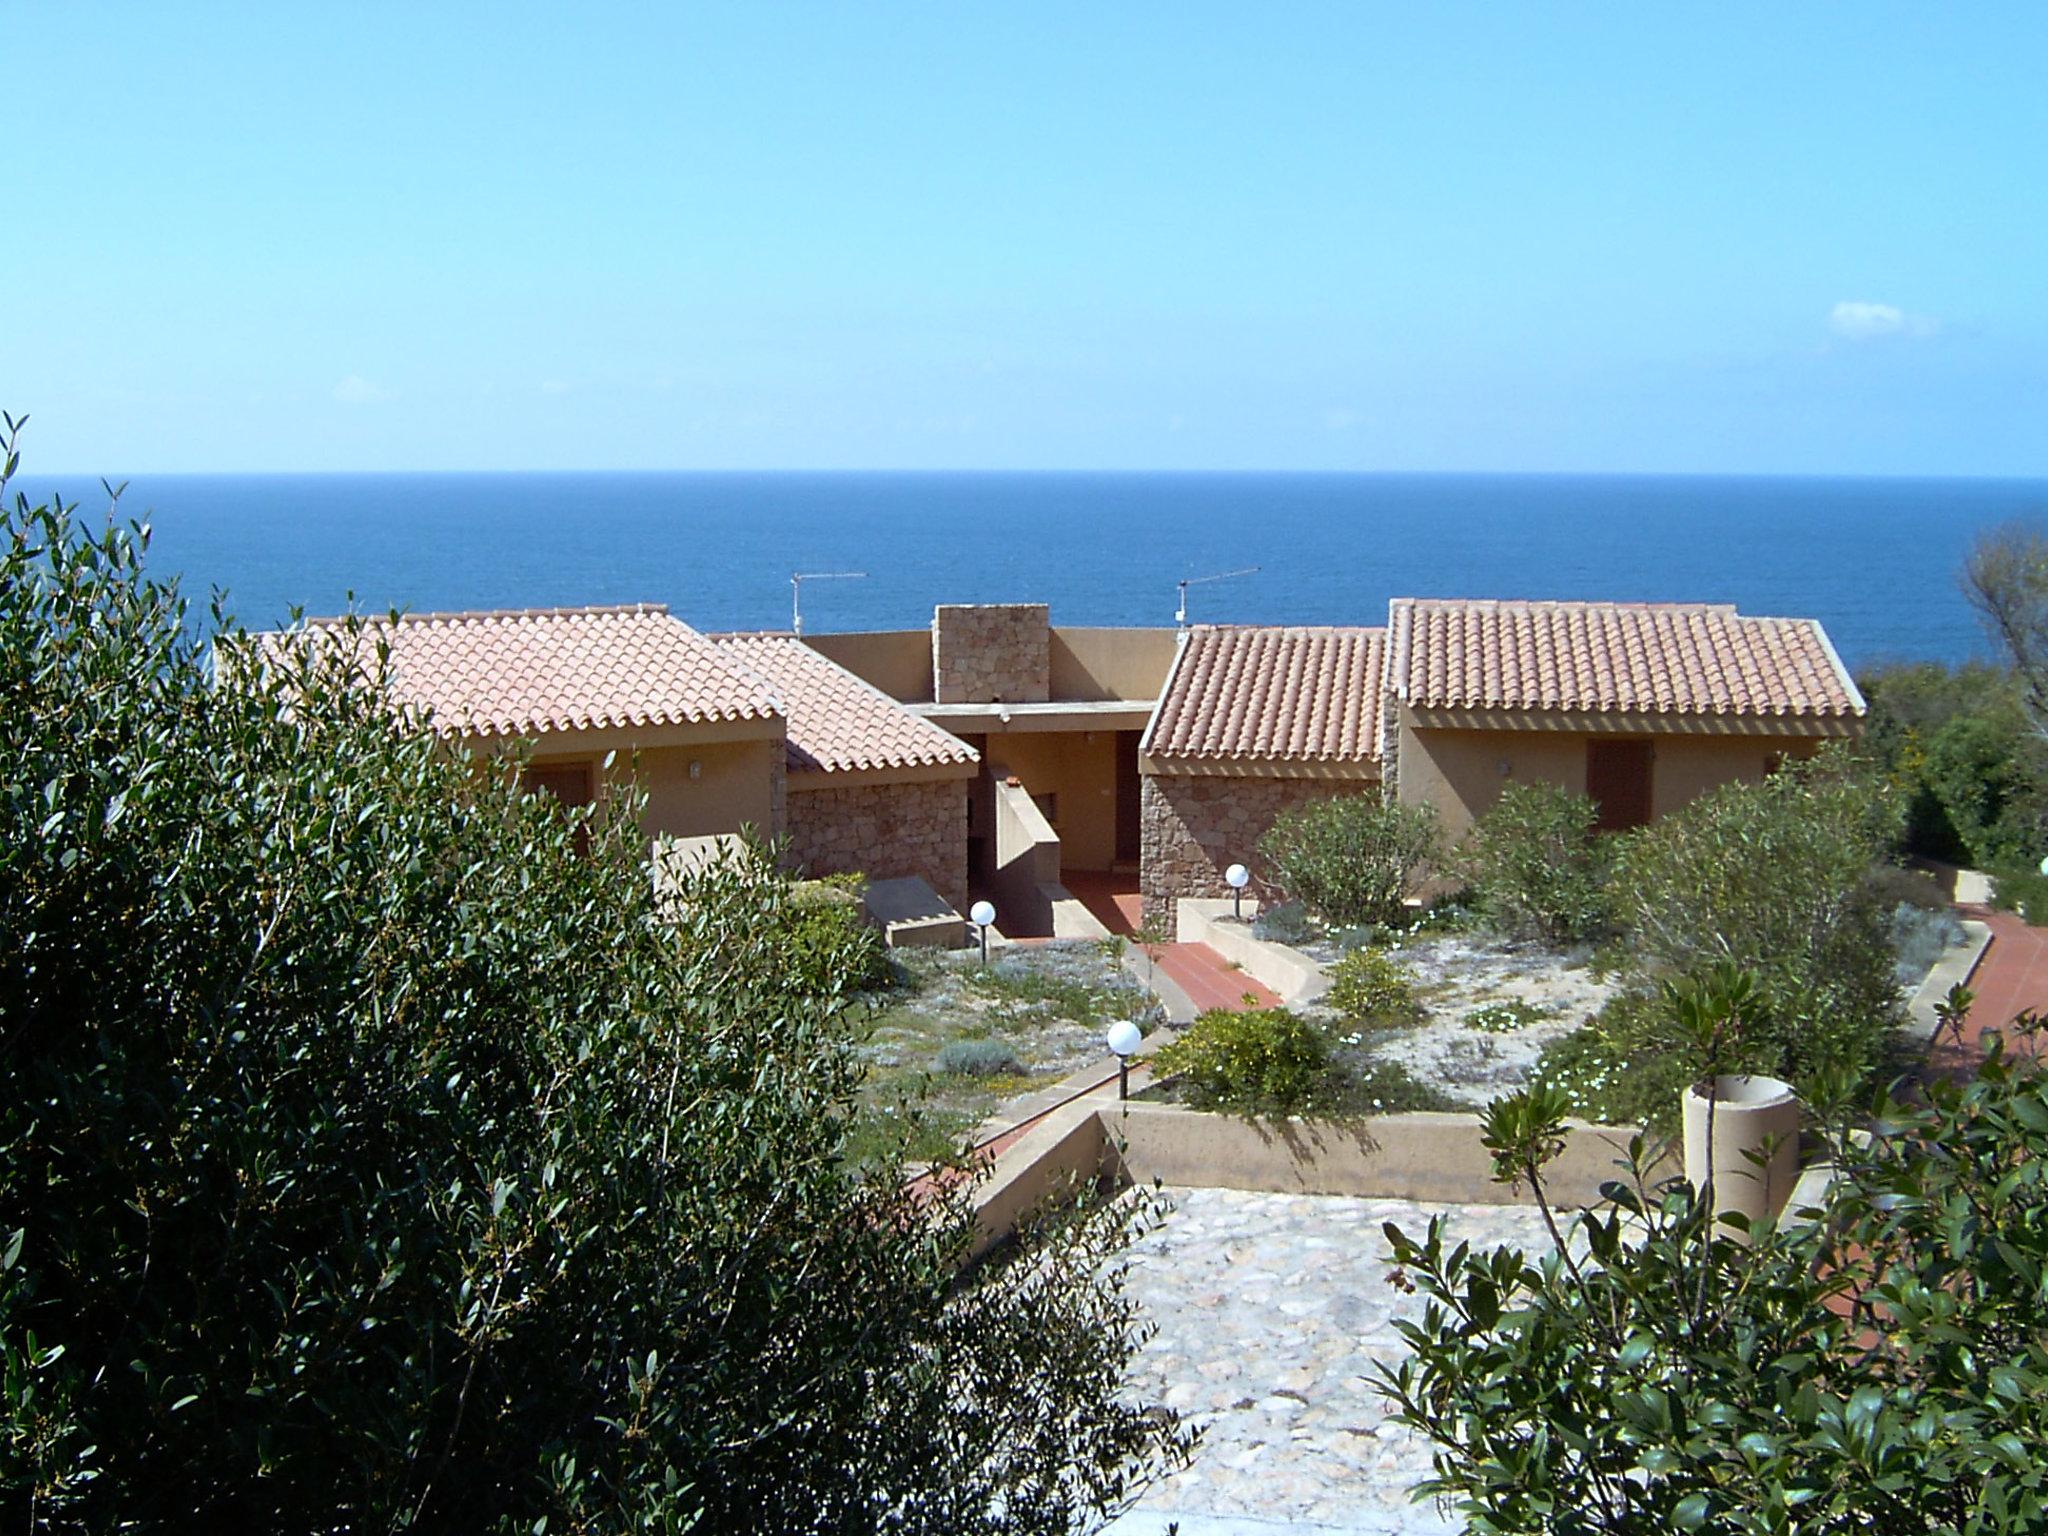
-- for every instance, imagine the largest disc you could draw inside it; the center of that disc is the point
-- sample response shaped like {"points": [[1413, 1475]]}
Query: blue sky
{"points": [[1563, 236]]}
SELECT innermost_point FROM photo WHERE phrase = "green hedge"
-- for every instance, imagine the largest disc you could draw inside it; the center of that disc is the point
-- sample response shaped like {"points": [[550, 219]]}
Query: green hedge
{"points": [[373, 1157]]}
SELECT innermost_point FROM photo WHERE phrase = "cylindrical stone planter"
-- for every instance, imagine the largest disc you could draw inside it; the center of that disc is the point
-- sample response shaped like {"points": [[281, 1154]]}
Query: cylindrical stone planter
{"points": [[1753, 1118]]}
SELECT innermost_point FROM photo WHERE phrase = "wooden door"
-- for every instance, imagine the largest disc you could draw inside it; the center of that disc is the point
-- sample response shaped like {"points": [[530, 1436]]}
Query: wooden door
{"points": [[1129, 802], [1618, 778]]}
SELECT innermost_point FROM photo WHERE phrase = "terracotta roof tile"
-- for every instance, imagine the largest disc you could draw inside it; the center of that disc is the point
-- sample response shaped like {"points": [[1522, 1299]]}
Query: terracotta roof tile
{"points": [[837, 721], [1294, 694], [523, 672], [1638, 658]]}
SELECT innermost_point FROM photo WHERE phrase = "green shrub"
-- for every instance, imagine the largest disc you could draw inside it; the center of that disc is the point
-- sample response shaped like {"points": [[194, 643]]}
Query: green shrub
{"points": [[1264, 1061], [829, 947], [1880, 1369], [1369, 986], [1364, 1086], [2024, 891], [1353, 858], [1285, 922], [1622, 1068], [1773, 878], [1538, 865], [1973, 771], [979, 1058], [372, 1158], [1919, 936]]}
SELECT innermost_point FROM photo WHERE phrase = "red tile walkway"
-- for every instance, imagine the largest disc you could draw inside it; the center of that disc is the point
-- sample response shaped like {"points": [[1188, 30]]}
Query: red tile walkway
{"points": [[1112, 897], [1208, 980], [2011, 979]]}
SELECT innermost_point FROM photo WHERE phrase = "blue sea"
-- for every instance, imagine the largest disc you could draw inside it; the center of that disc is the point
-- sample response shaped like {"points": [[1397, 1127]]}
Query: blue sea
{"points": [[1875, 559]]}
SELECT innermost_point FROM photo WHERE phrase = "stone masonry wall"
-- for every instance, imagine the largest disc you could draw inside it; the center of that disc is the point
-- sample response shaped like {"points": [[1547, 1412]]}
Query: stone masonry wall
{"points": [[992, 653], [883, 831], [1197, 826]]}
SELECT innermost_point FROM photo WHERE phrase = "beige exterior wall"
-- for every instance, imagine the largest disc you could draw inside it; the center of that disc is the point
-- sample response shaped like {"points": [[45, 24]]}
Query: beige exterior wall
{"points": [[883, 831], [1092, 664], [1461, 771], [1197, 826], [737, 784], [991, 653], [897, 661], [1080, 768]]}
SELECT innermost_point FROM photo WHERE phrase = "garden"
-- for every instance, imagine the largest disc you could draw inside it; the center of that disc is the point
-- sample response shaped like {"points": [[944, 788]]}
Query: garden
{"points": [[1556, 956], [946, 1039]]}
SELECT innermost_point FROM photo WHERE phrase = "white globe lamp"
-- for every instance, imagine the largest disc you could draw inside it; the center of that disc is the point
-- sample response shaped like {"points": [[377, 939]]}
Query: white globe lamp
{"points": [[1237, 877], [1124, 1038], [983, 915]]}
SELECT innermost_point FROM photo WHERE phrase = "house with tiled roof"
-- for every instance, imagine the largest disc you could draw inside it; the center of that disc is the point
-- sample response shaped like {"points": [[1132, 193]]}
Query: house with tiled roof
{"points": [[995, 753], [871, 786], [1252, 721], [571, 687], [1642, 706]]}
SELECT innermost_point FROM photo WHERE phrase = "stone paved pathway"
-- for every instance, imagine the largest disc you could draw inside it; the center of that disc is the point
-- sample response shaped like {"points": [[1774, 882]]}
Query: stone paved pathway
{"points": [[1271, 1310]]}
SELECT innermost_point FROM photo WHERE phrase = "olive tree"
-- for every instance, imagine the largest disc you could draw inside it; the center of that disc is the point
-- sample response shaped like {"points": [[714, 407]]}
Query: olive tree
{"points": [[376, 1154], [2005, 578]]}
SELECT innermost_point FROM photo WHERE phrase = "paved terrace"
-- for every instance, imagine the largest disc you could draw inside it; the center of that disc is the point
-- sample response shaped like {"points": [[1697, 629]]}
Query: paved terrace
{"points": [[1271, 1311]]}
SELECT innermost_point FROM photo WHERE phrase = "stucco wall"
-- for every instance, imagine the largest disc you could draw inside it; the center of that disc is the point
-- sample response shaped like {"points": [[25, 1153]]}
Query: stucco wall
{"points": [[737, 784], [1462, 772], [1111, 663], [1197, 826], [884, 831], [1083, 774], [897, 661], [991, 653]]}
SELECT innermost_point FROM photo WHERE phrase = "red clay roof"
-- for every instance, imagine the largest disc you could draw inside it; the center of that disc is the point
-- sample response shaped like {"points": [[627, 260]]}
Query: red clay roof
{"points": [[1636, 658], [1293, 694], [528, 671], [837, 722]]}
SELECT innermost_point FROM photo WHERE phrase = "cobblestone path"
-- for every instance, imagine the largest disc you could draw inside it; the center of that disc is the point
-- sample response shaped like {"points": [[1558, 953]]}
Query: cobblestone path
{"points": [[1271, 1310]]}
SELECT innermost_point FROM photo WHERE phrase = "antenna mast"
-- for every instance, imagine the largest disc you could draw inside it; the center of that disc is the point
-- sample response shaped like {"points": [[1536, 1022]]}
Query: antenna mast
{"points": [[1180, 616], [796, 591]]}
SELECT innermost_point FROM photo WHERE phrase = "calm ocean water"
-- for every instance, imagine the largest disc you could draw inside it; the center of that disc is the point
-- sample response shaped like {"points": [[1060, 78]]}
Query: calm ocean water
{"points": [[1874, 559]]}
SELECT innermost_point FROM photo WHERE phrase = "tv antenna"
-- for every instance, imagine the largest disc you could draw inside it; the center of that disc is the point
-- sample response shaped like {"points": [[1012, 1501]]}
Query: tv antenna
{"points": [[1180, 616], [796, 591]]}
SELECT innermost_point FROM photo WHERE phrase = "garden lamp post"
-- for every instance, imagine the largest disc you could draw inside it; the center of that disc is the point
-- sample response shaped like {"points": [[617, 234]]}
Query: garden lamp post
{"points": [[983, 916], [1124, 1039], [1237, 877]]}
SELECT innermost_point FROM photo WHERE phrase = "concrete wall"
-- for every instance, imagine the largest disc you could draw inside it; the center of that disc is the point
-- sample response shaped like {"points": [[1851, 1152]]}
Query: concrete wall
{"points": [[883, 831], [1462, 772], [1083, 774], [1437, 1157], [737, 784], [897, 661], [1027, 862], [1198, 825], [991, 653], [1111, 663]]}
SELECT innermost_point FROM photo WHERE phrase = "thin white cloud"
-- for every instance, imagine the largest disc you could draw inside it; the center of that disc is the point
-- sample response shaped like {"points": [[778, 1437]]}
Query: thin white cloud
{"points": [[357, 390], [1862, 320]]}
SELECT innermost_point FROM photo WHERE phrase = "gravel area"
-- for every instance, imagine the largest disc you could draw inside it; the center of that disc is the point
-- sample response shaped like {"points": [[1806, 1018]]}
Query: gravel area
{"points": [[1551, 993], [1271, 1311]]}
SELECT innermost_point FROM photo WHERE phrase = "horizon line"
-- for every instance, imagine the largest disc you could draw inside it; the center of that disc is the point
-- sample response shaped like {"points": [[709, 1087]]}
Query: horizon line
{"points": [[27, 474]]}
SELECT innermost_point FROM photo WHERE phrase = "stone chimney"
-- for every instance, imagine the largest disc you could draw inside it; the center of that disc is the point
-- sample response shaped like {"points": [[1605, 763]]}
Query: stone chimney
{"points": [[991, 653]]}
